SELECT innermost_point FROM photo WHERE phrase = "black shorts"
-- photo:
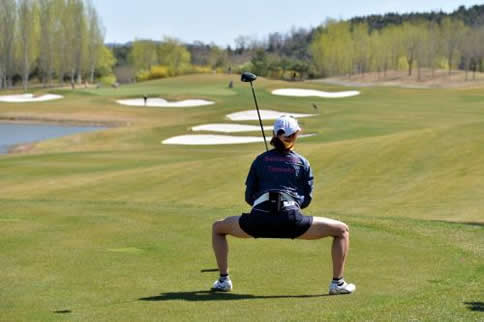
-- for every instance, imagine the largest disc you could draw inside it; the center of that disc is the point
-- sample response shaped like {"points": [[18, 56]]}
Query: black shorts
{"points": [[288, 223]]}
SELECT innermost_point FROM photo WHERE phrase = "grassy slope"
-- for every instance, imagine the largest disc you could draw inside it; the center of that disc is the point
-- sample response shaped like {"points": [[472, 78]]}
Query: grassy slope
{"points": [[114, 226]]}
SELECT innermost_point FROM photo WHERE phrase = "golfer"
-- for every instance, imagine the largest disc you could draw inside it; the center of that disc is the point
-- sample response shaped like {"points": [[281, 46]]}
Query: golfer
{"points": [[278, 186]]}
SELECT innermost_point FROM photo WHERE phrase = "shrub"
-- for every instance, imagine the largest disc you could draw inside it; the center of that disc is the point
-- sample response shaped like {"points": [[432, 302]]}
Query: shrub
{"points": [[160, 71], [196, 69], [108, 80]]}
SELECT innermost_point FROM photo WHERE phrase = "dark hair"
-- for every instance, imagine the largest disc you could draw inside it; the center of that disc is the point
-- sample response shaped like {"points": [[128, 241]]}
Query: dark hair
{"points": [[277, 143]]}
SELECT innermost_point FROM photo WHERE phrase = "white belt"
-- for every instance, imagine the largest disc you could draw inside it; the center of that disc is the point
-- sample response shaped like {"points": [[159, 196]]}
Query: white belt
{"points": [[265, 197], [289, 203]]}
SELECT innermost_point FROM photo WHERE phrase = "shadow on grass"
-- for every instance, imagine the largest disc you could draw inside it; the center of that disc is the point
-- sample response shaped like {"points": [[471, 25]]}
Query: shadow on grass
{"points": [[475, 306], [468, 223], [217, 296], [209, 270]]}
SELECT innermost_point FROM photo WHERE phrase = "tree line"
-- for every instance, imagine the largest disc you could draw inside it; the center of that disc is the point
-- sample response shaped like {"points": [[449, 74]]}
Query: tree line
{"points": [[51, 40], [148, 59], [376, 43], [63, 40], [472, 16], [344, 48]]}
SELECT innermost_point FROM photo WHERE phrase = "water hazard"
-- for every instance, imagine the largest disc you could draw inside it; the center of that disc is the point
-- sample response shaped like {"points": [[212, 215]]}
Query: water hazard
{"points": [[12, 134]]}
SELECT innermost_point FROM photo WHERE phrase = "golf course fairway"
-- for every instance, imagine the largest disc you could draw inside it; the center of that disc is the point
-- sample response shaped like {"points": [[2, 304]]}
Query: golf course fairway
{"points": [[115, 226]]}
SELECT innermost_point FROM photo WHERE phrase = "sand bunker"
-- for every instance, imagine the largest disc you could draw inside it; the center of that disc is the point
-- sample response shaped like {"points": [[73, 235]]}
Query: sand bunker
{"points": [[26, 98], [229, 128], [202, 139], [207, 139], [311, 92], [264, 114], [159, 102]]}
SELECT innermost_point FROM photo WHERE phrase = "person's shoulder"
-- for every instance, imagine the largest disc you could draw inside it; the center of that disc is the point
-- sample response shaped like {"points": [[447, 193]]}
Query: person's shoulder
{"points": [[263, 154], [300, 157]]}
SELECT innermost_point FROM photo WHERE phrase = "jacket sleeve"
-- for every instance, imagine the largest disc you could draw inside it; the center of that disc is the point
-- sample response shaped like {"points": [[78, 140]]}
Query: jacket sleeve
{"points": [[308, 187], [251, 184]]}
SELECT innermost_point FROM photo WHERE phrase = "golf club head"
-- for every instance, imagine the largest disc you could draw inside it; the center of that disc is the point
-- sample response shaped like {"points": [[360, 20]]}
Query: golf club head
{"points": [[248, 77]]}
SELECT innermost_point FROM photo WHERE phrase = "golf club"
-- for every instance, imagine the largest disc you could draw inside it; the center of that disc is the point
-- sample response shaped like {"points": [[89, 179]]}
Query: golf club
{"points": [[249, 78]]}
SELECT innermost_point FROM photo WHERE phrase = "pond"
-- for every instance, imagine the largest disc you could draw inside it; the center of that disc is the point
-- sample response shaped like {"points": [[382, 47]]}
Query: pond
{"points": [[12, 134]]}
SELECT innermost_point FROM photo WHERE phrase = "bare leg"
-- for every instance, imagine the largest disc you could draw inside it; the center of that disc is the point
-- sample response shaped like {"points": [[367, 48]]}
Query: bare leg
{"points": [[220, 230], [339, 251], [325, 227]]}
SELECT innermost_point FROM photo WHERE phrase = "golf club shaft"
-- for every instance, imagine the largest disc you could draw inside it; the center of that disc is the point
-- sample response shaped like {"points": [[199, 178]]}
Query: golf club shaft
{"points": [[258, 114]]}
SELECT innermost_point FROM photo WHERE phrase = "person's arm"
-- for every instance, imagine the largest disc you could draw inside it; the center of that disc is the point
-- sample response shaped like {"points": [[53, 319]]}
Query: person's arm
{"points": [[251, 184], [308, 187]]}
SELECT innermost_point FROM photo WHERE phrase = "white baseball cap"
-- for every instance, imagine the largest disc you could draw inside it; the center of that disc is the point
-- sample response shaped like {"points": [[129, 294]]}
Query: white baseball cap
{"points": [[288, 124]]}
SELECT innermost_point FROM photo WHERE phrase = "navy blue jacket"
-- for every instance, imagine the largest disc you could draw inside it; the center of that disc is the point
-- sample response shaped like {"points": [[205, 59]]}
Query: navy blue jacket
{"points": [[274, 171]]}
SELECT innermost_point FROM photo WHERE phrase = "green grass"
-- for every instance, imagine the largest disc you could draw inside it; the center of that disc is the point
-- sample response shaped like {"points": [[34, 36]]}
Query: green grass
{"points": [[114, 226]]}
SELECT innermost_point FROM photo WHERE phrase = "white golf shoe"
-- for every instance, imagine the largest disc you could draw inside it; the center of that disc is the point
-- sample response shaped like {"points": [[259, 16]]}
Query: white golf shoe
{"points": [[337, 289], [224, 285]]}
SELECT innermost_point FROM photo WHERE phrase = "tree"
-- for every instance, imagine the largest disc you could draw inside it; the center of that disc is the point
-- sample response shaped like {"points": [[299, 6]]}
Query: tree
{"points": [[331, 49], [480, 52], [300, 67], [95, 46], [200, 53], [422, 52], [104, 62], [379, 54], [79, 38], [64, 40], [434, 49], [392, 39], [143, 54], [260, 63], [471, 49], [217, 57], [361, 47], [27, 38], [174, 55], [8, 15], [275, 42], [453, 32], [241, 43], [411, 40], [46, 39]]}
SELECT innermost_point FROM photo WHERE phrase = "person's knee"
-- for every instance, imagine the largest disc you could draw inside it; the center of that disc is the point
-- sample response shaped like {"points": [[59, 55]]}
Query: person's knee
{"points": [[217, 226], [342, 230]]}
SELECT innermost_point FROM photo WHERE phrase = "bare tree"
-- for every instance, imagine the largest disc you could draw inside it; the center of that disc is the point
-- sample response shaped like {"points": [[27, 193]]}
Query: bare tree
{"points": [[78, 38], [471, 49], [453, 31], [46, 39], [242, 43], [95, 39], [479, 56], [275, 42], [423, 48], [411, 41], [361, 47], [27, 34], [62, 41], [8, 15], [434, 47]]}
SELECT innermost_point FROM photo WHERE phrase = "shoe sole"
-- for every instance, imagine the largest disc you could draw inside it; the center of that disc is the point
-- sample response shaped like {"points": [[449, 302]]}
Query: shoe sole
{"points": [[340, 293], [220, 290]]}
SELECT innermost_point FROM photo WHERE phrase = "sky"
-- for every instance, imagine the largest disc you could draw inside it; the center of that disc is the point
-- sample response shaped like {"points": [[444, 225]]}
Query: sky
{"points": [[221, 21]]}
